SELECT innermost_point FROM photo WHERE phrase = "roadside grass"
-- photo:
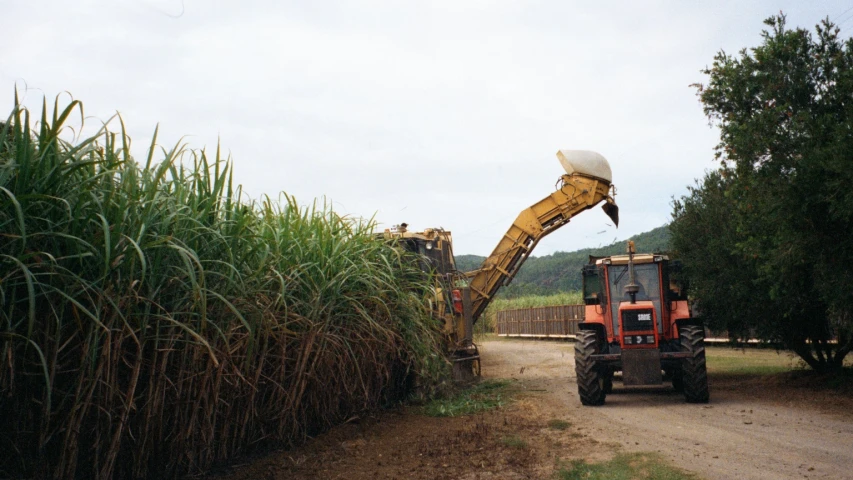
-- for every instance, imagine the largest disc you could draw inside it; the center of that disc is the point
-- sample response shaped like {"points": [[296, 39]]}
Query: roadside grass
{"points": [[780, 366], [514, 441], [475, 399], [557, 424], [492, 337], [751, 361], [843, 380], [624, 466]]}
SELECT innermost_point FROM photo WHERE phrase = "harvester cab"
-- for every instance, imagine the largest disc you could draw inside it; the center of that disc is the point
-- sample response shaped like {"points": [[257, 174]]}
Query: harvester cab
{"points": [[433, 245], [638, 321], [461, 297], [450, 297]]}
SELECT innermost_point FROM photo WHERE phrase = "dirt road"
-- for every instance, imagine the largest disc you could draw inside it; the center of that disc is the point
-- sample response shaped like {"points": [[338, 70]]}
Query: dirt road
{"points": [[749, 430], [745, 432]]}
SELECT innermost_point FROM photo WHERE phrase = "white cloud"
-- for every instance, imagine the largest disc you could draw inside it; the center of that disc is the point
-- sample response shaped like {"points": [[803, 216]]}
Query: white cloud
{"points": [[436, 113]]}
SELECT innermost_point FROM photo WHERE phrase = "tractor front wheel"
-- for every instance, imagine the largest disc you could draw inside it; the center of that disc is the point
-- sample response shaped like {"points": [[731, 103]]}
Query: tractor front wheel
{"points": [[694, 373], [591, 382]]}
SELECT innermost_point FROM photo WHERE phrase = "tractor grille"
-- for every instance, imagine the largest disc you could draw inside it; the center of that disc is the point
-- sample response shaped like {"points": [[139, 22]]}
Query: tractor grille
{"points": [[637, 320]]}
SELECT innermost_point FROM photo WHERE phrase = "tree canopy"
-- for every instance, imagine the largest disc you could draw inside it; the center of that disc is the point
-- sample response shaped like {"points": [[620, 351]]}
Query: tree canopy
{"points": [[765, 237]]}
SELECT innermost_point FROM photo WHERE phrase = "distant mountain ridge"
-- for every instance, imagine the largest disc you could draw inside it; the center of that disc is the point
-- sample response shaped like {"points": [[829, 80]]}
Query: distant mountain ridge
{"points": [[561, 271]]}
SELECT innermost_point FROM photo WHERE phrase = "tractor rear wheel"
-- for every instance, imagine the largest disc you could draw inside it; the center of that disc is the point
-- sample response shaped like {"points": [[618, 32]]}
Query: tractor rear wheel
{"points": [[591, 382], [694, 372]]}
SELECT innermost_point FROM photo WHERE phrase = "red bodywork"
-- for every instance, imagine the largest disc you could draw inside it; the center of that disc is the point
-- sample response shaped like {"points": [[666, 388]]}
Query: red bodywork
{"points": [[677, 310]]}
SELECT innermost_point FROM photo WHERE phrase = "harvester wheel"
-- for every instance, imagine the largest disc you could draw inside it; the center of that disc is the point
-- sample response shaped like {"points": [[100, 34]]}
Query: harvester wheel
{"points": [[591, 382], [694, 373], [463, 371]]}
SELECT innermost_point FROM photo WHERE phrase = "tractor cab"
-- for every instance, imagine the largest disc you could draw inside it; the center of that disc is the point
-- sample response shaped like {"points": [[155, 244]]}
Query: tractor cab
{"points": [[635, 300], [636, 295]]}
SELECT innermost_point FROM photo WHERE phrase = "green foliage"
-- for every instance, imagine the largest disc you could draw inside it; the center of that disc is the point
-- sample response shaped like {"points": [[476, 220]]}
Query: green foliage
{"points": [[750, 362], [467, 263], [530, 301], [560, 271], [153, 322], [514, 441], [766, 238], [729, 293], [625, 466], [480, 397], [557, 424]]}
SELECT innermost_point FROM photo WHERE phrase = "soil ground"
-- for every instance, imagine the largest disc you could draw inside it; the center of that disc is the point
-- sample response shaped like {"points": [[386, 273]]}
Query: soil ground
{"points": [[755, 427]]}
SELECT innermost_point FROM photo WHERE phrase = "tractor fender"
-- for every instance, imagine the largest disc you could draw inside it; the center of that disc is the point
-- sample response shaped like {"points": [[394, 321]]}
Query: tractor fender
{"points": [[595, 326]]}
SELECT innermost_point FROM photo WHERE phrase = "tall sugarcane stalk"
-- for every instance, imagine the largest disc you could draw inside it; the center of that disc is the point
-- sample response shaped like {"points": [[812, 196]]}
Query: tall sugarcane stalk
{"points": [[154, 322]]}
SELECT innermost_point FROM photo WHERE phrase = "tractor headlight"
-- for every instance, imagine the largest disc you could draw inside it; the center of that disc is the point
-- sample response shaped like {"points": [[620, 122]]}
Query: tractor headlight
{"points": [[429, 245]]}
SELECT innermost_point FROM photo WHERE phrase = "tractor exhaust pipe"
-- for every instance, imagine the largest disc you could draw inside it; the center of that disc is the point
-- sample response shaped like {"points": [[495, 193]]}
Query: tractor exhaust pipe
{"points": [[632, 288]]}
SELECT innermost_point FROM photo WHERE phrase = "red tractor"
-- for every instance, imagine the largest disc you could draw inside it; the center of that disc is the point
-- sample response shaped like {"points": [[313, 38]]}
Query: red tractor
{"points": [[638, 321]]}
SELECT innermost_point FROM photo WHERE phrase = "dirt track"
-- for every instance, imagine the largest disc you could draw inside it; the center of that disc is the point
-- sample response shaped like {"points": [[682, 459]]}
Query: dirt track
{"points": [[743, 433], [749, 430]]}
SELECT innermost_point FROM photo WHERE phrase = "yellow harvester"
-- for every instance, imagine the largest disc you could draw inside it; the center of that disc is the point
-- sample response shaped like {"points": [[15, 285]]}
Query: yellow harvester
{"points": [[461, 297]]}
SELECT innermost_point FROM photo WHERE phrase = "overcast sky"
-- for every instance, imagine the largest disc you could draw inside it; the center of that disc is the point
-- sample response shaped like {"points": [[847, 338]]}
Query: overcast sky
{"points": [[436, 113]]}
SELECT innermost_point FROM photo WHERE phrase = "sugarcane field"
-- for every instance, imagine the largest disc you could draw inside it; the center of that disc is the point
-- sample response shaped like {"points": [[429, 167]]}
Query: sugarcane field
{"points": [[444, 240]]}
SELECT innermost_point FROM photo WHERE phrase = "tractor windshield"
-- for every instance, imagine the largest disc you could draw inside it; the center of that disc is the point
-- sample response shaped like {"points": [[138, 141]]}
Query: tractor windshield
{"points": [[647, 276]]}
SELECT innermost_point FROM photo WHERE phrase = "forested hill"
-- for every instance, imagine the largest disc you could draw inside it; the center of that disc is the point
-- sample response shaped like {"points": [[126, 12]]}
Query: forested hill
{"points": [[561, 271]]}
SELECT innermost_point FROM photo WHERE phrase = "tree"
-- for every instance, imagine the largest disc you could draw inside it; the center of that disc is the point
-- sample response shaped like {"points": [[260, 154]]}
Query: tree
{"points": [[766, 237]]}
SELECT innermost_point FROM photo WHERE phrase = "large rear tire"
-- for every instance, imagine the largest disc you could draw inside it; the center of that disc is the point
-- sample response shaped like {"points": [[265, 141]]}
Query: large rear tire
{"points": [[694, 372], [591, 386]]}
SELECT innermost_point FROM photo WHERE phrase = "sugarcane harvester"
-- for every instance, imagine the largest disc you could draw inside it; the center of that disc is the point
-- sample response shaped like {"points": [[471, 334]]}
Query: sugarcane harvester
{"points": [[459, 298]]}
